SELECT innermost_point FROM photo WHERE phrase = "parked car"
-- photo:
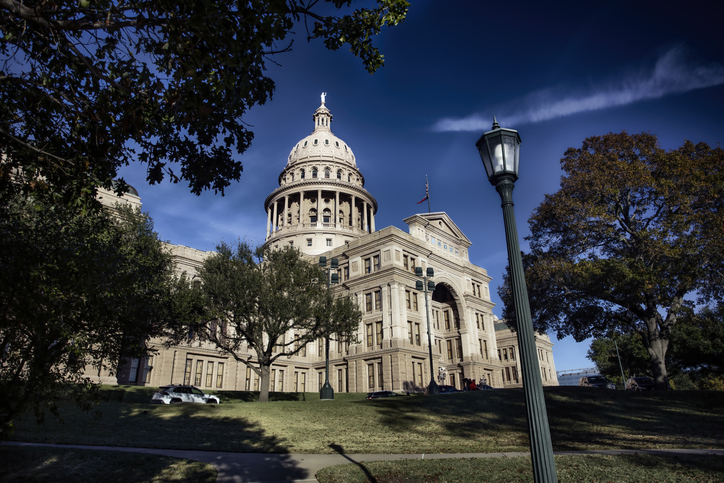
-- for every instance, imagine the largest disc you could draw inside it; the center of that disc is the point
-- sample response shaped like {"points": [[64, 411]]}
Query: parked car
{"points": [[448, 389], [182, 394], [596, 381], [380, 394], [640, 384]]}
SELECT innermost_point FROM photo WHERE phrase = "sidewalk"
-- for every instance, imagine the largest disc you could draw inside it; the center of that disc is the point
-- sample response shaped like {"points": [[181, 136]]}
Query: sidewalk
{"points": [[289, 468]]}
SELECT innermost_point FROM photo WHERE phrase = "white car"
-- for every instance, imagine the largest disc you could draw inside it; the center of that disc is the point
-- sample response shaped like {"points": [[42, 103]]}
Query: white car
{"points": [[182, 394]]}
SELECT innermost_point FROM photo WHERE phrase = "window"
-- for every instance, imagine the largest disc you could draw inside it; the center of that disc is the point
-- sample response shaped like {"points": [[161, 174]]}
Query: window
{"points": [[220, 375], [133, 376], [369, 335], [291, 244], [329, 242], [485, 349], [376, 263], [371, 376], [340, 380], [346, 272], [505, 354], [314, 170], [409, 331], [378, 300], [326, 216], [412, 264], [414, 302], [368, 302], [407, 299], [320, 347], [296, 381], [460, 348], [309, 242], [209, 374], [326, 171], [147, 366], [499, 357], [256, 381], [339, 172], [378, 326], [448, 343], [272, 379], [515, 374], [512, 353], [280, 383], [477, 320], [320, 379], [419, 373], [247, 385], [368, 265], [301, 173], [199, 372], [507, 374], [380, 379], [303, 382], [405, 262], [312, 215], [417, 334], [447, 320]]}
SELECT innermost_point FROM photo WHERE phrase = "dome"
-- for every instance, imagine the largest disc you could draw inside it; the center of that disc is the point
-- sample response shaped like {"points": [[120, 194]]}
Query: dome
{"points": [[322, 143]]}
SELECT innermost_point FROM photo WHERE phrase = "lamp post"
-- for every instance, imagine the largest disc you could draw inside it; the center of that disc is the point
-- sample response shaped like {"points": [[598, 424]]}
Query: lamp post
{"points": [[327, 393], [426, 285], [500, 151]]}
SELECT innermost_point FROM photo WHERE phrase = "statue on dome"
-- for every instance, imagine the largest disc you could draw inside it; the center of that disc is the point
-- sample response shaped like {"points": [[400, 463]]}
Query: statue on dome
{"points": [[323, 96]]}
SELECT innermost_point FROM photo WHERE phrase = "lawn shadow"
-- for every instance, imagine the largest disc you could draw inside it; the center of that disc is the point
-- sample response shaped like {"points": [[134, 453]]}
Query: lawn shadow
{"points": [[340, 450]]}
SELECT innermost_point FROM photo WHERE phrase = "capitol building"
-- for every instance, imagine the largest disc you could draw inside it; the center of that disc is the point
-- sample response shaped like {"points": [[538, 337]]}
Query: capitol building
{"points": [[322, 208]]}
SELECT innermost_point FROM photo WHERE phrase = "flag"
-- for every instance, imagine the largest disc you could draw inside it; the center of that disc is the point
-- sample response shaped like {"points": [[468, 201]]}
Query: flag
{"points": [[427, 194]]}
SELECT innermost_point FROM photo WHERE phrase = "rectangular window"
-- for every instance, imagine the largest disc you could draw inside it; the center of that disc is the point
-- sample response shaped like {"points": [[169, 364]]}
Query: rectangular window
{"points": [[291, 244], [376, 263], [480, 344], [407, 299], [512, 353], [507, 374], [247, 384], [409, 331], [447, 320], [199, 373], [273, 379], [147, 366], [371, 376], [368, 265], [209, 374], [340, 380], [346, 272], [414, 373], [133, 376], [296, 381], [380, 379], [303, 382], [412, 264], [448, 343], [505, 354], [370, 342], [405, 262], [419, 373], [280, 383], [378, 326], [460, 348], [309, 242], [256, 381], [414, 302], [499, 355], [303, 350], [368, 302], [485, 349], [329, 241], [417, 334], [320, 378], [220, 375], [378, 300], [515, 374]]}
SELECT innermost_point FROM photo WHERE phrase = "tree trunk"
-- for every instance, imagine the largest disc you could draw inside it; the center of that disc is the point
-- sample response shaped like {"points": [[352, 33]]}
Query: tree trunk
{"points": [[657, 347], [264, 383]]}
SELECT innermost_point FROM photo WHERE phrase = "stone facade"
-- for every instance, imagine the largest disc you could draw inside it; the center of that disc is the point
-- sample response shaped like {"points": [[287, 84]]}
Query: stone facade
{"points": [[322, 208]]}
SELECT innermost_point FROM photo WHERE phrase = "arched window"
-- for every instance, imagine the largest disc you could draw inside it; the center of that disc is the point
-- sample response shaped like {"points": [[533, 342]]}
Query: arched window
{"points": [[292, 177], [313, 215], [349, 178], [326, 215], [301, 174], [326, 173], [339, 174], [341, 217], [314, 172]]}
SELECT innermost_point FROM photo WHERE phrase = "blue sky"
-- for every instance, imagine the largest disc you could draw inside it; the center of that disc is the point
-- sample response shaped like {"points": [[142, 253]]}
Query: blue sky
{"points": [[557, 72]]}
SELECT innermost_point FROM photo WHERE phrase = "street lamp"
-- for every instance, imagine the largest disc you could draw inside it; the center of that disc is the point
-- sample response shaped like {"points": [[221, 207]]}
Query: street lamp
{"points": [[327, 392], [426, 285], [500, 151]]}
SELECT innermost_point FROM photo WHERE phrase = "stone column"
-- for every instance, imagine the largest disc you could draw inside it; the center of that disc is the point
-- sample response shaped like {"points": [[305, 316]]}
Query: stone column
{"points": [[335, 215], [372, 217], [353, 213], [365, 226], [286, 210], [268, 221], [319, 207], [275, 216]]}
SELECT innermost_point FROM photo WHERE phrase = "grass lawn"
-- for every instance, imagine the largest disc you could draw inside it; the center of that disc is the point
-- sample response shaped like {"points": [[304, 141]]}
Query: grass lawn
{"points": [[481, 421], [30, 464], [590, 468]]}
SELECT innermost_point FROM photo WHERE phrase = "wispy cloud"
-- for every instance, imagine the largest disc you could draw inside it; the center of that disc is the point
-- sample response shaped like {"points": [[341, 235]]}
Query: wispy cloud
{"points": [[672, 74]]}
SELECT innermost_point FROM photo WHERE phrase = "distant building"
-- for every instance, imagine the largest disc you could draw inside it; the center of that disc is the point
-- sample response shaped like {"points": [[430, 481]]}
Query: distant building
{"points": [[322, 208], [571, 377]]}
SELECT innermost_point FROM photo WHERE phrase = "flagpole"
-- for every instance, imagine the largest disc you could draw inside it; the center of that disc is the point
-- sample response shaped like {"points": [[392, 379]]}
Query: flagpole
{"points": [[427, 191]]}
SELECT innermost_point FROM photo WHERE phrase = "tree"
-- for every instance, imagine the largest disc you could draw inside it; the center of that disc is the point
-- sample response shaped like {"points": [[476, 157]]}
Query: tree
{"points": [[273, 301], [696, 350], [87, 87], [70, 306], [631, 239]]}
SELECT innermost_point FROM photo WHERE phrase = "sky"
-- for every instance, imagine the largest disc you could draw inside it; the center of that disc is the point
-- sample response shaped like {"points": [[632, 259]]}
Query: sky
{"points": [[558, 72]]}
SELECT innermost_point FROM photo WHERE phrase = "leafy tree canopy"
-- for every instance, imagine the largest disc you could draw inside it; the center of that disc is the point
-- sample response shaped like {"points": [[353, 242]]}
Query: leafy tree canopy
{"points": [[69, 309], [89, 86], [274, 302], [631, 239]]}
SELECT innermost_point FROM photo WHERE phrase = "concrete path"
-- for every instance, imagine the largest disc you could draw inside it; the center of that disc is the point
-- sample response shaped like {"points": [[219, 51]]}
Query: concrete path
{"points": [[289, 468]]}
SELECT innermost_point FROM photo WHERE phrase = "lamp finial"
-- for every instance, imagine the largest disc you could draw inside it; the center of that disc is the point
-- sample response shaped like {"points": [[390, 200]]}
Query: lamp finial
{"points": [[495, 123]]}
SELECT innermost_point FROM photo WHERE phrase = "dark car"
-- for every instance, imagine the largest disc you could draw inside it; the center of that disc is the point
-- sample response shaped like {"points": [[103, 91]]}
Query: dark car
{"points": [[379, 394], [596, 381], [640, 384], [448, 389]]}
